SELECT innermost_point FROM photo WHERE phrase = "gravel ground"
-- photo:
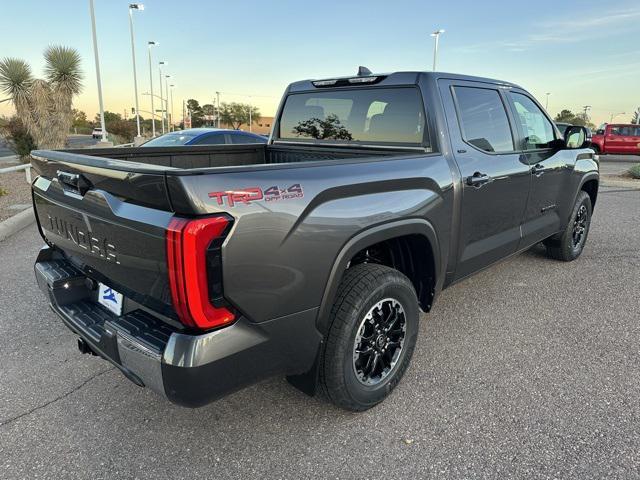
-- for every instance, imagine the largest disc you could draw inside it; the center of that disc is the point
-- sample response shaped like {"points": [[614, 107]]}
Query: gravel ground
{"points": [[18, 195], [530, 369]]}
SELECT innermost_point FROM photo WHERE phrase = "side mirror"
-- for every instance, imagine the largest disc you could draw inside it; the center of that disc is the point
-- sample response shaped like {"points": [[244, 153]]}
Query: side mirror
{"points": [[576, 137]]}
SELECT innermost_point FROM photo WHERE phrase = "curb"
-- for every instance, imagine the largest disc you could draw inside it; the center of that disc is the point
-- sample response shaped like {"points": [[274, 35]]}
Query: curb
{"points": [[16, 223], [620, 159], [606, 182]]}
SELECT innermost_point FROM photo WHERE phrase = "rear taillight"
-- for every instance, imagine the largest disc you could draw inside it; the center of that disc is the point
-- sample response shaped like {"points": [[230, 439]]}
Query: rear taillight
{"points": [[195, 271]]}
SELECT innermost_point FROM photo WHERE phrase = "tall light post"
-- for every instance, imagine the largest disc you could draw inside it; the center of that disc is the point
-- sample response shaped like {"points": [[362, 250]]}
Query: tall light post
{"points": [[166, 101], [132, 7], [250, 117], [153, 112], [546, 103], [95, 54], [614, 115], [160, 64], [218, 102], [171, 91], [436, 34]]}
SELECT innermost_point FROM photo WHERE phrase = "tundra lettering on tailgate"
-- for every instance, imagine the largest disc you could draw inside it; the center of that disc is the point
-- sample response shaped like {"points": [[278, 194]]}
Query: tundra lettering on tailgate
{"points": [[255, 194], [87, 241]]}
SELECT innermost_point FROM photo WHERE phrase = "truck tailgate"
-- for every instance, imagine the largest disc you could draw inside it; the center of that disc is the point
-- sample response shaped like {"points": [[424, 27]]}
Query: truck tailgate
{"points": [[103, 222]]}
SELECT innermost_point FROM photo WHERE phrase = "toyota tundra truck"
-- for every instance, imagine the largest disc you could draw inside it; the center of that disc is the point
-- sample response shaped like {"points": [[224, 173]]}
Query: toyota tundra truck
{"points": [[617, 139], [199, 270]]}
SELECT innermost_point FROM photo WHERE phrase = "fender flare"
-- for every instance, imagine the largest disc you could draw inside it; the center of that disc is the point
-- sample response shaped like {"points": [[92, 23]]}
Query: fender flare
{"points": [[372, 236], [587, 177]]}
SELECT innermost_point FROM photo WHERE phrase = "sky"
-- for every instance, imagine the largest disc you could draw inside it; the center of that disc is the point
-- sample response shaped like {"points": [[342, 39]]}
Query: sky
{"points": [[583, 52]]}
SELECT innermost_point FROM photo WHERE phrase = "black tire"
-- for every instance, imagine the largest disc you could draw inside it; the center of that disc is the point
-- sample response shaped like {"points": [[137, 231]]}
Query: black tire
{"points": [[595, 148], [568, 245], [365, 294]]}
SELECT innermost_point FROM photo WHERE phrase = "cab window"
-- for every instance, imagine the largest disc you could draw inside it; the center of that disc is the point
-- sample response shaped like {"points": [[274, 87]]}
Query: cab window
{"points": [[537, 130], [483, 119]]}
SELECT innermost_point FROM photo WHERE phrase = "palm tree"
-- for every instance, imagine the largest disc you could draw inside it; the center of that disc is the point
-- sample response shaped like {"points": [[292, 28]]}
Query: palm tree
{"points": [[44, 106]]}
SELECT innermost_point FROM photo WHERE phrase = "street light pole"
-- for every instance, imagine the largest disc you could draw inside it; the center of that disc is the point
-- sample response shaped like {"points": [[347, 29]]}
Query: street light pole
{"points": [[614, 115], [153, 111], [161, 97], [546, 103], [166, 100], [132, 7], [250, 119], [171, 87], [218, 102], [436, 34], [95, 53]]}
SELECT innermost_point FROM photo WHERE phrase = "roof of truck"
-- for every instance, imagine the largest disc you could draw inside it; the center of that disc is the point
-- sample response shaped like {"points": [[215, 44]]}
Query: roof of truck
{"points": [[404, 78]]}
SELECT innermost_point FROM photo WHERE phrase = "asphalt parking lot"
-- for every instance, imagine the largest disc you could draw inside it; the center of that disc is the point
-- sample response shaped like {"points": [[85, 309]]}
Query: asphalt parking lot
{"points": [[530, 369]]}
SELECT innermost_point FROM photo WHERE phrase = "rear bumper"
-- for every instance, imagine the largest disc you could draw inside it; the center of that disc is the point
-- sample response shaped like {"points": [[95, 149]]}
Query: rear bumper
{"points": [[188, 369]]}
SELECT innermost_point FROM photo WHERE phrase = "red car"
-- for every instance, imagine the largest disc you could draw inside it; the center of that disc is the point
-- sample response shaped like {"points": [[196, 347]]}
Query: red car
{"points": [[617, 138]]}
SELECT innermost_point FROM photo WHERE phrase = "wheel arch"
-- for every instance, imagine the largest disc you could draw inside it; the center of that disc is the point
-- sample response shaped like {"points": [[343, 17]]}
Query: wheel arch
{"points": [[590, 185], [419, 230]]}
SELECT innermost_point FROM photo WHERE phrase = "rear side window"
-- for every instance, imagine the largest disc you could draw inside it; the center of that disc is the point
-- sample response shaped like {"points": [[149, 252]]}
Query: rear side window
{"points": [[627, 131], [536, 127], [484, 120], [211, 139], [370, 116], [241, 138]]}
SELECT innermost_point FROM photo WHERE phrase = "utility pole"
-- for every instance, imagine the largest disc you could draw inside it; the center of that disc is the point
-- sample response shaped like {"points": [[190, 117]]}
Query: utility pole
{"points": [[95, 54], [436, 34], [250, 120], [586, 109], [546, 103]]}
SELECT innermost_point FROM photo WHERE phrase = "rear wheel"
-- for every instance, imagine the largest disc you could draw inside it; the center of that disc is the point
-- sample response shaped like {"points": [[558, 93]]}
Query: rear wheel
{"points": [[373, 332], [568, 245], [595, 148]]}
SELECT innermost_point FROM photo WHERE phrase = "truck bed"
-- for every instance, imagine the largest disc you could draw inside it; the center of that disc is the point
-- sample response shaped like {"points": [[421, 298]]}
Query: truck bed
{"points": [[214, 156]]}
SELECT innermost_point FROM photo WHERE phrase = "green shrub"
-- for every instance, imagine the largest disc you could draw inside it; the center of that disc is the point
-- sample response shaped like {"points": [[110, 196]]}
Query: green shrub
{"points": [[3, 192], [18, 139], [635, 171]]}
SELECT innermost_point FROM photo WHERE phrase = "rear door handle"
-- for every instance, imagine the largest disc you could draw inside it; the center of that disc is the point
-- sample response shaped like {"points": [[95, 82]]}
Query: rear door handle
{"points": [[478, 179]]}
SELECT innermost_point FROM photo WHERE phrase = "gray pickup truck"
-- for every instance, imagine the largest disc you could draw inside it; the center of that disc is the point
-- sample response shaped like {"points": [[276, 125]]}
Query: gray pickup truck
{"points": [[199, 270]]}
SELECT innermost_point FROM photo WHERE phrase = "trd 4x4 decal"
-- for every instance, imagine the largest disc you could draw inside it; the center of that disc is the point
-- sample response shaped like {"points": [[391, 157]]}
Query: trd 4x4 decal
{"points": [[255, 194]]}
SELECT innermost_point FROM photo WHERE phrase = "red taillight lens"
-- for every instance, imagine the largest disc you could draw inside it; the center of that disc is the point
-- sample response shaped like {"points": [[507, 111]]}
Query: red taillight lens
{"points": [[188, 243]]}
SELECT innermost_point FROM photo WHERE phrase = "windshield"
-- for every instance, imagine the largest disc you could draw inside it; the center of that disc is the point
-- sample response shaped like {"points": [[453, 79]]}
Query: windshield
{"points": [[374, 115], [170, 139]]}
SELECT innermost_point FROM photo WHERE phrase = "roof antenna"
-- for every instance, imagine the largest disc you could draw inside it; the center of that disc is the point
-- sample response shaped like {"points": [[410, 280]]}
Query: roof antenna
{"points": [[363, 71]]}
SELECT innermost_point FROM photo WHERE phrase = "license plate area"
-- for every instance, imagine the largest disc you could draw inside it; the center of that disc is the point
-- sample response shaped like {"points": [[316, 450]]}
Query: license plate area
{"points": [[110, 299]]}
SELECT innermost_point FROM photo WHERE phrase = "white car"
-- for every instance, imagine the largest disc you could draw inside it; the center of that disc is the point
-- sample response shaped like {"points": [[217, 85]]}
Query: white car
{"points": [[96, 133]]}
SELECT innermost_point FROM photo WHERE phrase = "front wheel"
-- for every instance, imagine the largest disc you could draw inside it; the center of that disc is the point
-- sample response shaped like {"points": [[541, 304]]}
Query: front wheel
{"points": [[371, 338], [568, 245]]}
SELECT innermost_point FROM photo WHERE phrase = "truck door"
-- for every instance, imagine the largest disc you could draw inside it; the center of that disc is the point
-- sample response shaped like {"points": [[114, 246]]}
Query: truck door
{"points": [[495, 180], [551, 194], [629, 138], [614, 141]]}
